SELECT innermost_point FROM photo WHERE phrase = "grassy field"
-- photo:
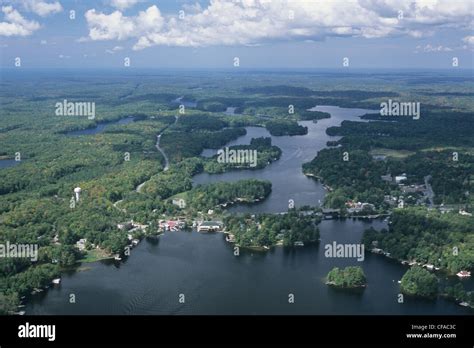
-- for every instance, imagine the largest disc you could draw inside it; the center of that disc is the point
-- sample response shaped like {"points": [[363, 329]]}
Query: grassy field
{"points": [[95, 255], [391, 153]]}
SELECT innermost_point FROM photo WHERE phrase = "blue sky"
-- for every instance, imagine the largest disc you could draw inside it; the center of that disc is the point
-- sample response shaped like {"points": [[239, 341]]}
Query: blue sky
{"points": [[261, 33]]}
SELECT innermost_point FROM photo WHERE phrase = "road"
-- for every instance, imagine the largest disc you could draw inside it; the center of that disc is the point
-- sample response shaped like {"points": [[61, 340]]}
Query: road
{"points": [[167, 161], [429, 190]]}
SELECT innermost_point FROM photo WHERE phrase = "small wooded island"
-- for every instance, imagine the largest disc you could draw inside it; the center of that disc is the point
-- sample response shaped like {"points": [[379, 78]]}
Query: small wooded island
{"points": [[349, 277]]}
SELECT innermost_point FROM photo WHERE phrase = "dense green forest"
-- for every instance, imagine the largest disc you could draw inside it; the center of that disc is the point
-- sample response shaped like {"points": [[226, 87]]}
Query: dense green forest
{"points": [[357, 179], [458, 293], [428, 237], [419, 282], [181, 145]]}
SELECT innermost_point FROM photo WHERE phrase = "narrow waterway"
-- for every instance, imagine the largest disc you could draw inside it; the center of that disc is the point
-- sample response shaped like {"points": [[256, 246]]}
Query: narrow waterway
{"points": [[101, 126], [288, 180]]}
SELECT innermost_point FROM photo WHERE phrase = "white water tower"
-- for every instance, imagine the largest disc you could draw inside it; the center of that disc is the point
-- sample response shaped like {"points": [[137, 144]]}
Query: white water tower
{"points": [[77, 191]]}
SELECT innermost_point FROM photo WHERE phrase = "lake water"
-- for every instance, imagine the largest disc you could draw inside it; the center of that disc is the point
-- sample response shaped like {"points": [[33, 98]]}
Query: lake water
{"points": [[185, 102], [203, 268], [6, 163], [101, 126]]}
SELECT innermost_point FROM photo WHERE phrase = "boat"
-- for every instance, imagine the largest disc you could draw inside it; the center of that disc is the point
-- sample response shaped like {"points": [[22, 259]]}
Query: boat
{"points": [[298, 243], [464, 304], [463, 274], [56, 281], [117, 258], [230, 239]]}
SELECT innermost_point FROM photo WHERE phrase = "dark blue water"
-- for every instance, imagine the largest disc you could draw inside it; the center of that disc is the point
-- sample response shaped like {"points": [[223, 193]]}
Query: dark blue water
{"points": [[214, 281], [6, 163], [186, 103], [100, 127]]}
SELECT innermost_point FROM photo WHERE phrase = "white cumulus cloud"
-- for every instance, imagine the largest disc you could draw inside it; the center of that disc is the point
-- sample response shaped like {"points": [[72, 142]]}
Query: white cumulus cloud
{"points": [[123, 4], [252, 22], [469, 40], [116, 26], [42, 8], [15, 24], [431, 48]]}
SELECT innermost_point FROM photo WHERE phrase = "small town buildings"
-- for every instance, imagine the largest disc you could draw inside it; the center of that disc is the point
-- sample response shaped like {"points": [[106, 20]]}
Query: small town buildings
{"points": [[445, 210], [412, 188], [171, 225], [390, 200], [357, 207]]}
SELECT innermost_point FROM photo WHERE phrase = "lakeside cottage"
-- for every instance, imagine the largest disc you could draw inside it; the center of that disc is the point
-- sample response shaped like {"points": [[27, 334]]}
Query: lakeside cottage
{"points": [[400, 178], [357, 207], [180, 202], [81, 244], [210, 226]]}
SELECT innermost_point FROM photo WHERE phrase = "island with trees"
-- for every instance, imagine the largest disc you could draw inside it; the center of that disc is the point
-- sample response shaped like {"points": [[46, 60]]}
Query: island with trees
{"points": [[347, 278], [285, 127], [265, 152]]}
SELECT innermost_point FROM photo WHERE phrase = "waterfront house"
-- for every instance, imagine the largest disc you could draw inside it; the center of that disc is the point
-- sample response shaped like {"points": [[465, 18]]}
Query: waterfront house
{"points": [[81, 244], [125, 226], [210, 226]]}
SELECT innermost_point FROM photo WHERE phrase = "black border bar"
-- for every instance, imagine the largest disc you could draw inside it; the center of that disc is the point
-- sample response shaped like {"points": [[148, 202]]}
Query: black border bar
{"points": [[288, 330]]}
